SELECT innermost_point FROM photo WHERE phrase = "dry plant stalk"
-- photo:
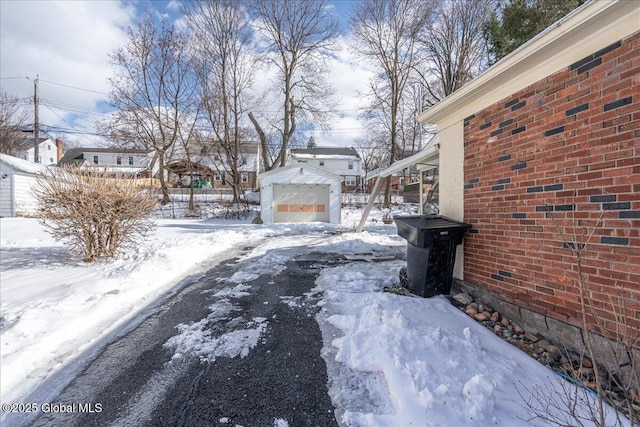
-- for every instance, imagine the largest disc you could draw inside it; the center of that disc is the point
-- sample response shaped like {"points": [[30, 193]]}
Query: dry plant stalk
{"points": [[95, 214], [575, 405]]}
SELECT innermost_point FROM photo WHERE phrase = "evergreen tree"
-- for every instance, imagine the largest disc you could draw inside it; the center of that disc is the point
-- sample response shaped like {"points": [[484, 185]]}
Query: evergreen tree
{"points": [[520, 21]]}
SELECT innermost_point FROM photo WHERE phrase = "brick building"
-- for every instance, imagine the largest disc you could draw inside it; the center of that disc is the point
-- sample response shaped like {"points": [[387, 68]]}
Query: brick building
{"points": [[545, 140]]}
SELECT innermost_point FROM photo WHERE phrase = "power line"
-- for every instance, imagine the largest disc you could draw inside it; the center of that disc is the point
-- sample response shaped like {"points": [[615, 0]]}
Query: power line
{"points": [[74, 87]]}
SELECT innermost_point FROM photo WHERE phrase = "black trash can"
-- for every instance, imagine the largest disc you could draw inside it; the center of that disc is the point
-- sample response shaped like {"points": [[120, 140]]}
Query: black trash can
{"points": [[432, 241]]}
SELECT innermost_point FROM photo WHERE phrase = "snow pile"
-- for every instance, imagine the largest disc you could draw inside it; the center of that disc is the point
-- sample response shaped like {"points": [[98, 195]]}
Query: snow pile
{"points": [[401, 361]]}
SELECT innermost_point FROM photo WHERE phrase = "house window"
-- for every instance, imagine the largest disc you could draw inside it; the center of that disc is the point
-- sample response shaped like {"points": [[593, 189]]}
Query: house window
{"points": [[321, 162], [350, 181], [95, 160], [118, 160], [130, 160], [245, 177], [302, 161], [350, 165], [217, 177], [49, 147], [50, 159]]}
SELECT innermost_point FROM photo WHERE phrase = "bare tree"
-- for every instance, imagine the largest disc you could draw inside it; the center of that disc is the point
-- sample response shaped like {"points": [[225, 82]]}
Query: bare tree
{"points": [[372, 151], [220, 40], [13, 117], [152, 90], [386, 35], [454, 46], [296, 36]]}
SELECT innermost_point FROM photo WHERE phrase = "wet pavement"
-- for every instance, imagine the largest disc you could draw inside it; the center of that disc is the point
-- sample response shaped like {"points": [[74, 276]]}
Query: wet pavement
{"points": [[139, 380]]}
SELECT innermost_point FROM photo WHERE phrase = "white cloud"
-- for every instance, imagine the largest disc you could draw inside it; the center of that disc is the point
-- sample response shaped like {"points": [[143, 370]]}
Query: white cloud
{"points": [[350, 79], [64, 42]]}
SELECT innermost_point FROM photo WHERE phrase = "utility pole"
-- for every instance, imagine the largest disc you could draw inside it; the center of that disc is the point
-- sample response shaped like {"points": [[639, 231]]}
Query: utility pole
{"points": [[36, 123]]}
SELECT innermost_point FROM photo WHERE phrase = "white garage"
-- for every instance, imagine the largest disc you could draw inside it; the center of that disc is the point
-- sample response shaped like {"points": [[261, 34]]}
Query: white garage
{"points": [[300, 193], [17, 179]]}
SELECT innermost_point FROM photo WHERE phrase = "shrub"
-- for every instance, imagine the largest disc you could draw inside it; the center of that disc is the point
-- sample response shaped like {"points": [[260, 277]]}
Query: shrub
{"points": [[94, 214]]}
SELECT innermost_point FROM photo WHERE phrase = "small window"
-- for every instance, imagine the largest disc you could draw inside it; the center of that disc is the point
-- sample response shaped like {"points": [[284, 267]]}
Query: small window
{"points": [[49, 147], [302, 161], [118, 160], [218, 177], [350, 181], [245, 177], [95, 160], [350, 165], [130, 160], [321, 162], [50, 159]]}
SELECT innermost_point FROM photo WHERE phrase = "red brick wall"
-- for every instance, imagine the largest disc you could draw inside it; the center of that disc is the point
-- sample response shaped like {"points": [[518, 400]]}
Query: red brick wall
{"points": [[565, 148]]}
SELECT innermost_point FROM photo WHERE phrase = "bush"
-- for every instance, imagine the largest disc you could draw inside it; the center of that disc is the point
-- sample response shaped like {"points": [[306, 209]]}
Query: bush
{"points": [[94, 214]]}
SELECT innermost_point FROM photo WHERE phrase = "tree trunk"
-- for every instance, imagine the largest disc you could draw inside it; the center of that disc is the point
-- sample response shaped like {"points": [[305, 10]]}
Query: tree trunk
{"points": [[263, 142]]}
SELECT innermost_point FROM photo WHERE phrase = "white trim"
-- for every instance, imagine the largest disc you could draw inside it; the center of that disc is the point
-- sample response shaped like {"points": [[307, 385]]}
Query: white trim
{"points": [[425, 159]]}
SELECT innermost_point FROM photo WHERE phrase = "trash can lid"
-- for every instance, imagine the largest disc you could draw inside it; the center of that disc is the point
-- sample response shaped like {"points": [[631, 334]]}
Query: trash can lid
{"points": [[430, 222]]}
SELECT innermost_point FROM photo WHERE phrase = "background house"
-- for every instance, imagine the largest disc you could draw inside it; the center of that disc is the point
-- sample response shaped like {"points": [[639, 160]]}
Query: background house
{"points": [[49, 151], [17, 180], [345, 162], [544, 141], [210, 164], [138, 163]]}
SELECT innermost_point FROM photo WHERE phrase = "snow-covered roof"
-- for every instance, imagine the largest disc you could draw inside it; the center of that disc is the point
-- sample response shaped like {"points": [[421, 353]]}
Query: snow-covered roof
{"points": [[21, 164], [325, 152], [324, 156], [315, 169], [116, 169]]}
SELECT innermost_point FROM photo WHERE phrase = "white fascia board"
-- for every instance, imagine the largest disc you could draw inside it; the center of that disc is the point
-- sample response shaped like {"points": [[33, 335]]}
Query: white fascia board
{"points": [[593, 26], [425, 159]]}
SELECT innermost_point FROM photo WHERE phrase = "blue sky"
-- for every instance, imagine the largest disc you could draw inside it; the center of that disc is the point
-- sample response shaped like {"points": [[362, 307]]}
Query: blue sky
{"points": [[67, 42]]}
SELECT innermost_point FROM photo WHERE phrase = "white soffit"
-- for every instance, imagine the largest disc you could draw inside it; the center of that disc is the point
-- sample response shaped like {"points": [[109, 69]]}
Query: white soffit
{"points": [[425, 159]]}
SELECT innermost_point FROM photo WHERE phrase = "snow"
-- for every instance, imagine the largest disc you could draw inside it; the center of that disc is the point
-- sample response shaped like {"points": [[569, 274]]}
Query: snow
{"points": [[391, 360], [21, 164]]}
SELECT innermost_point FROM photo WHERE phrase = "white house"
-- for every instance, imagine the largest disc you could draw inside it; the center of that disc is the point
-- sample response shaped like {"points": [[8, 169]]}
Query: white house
{"points": [[17, 180], [49, 152], [345, 162], [117, 161], [300, 193]]}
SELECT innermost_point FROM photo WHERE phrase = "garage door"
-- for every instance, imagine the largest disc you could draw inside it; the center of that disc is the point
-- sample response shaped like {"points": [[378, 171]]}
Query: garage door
{"points": [[301, 202]]}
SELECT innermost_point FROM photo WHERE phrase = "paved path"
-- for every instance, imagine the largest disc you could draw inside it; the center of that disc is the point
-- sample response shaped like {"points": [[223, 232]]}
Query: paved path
{"points": [[137, 383]]}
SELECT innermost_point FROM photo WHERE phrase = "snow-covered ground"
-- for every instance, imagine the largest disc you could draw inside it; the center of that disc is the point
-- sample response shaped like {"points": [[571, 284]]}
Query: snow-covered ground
{"points": [[392, 360]]}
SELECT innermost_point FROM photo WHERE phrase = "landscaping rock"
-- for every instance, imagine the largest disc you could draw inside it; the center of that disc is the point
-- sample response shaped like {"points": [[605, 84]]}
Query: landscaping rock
{"points": [[518, 329], [463, 298], [505, 322], [471, 311], [480, 317], [495, 316], [586, 362], [531, 337]]}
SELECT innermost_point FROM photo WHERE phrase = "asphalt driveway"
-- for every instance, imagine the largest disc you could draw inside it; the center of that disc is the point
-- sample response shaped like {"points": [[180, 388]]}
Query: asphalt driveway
{"points": [[140, 381]]}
